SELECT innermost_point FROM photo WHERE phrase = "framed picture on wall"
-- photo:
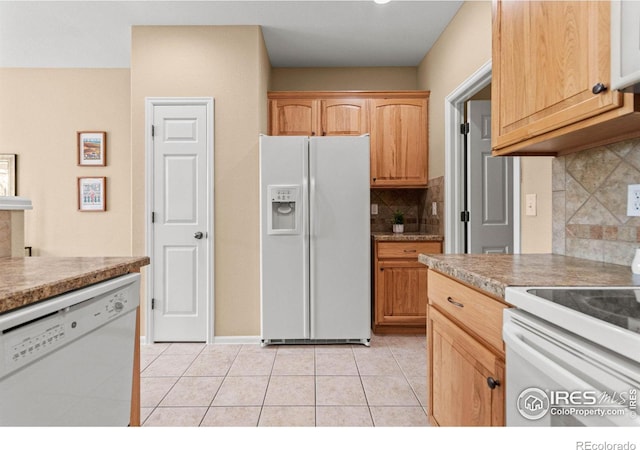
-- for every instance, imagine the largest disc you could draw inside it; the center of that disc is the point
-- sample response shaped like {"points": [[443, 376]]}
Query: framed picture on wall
{"points": [[92, 194], [8, 174], [92, 148]]}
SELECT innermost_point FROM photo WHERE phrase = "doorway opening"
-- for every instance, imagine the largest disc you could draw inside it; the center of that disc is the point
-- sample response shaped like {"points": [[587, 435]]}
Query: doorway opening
{"points": [[457, 201]]}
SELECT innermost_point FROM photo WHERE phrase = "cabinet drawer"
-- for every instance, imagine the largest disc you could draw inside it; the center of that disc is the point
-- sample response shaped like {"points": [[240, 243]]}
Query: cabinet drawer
{"points": [[407, 249], [479, 313]]}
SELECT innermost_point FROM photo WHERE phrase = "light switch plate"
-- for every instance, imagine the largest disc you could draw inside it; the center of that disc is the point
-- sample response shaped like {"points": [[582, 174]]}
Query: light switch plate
{"points": [[633, 200], [374, 209]]}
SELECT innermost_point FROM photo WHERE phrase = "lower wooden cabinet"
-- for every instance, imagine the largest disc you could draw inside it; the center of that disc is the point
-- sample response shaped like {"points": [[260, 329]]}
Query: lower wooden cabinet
{"points": [[466, 369], [400, 286]]}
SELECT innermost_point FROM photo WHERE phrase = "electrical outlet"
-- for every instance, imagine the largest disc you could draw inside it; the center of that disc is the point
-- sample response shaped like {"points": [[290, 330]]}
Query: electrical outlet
{"points": [[633, 200], [434, 209], [374, 209], [531, 203]]}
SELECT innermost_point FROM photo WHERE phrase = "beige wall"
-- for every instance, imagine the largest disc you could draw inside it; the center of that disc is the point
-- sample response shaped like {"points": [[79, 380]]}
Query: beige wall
{"points": [[536, 231], [41, 111], [229, 64], [463, 47], [344, 78]]}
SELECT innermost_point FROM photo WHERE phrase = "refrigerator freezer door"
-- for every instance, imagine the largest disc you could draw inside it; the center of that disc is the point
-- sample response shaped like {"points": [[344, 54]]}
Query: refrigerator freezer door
{"points": [[284, 256], [340, 291]]}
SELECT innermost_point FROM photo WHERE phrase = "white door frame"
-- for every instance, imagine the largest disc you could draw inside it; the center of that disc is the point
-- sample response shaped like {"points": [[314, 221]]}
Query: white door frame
{"points": [[150, 103], [453, 164]]}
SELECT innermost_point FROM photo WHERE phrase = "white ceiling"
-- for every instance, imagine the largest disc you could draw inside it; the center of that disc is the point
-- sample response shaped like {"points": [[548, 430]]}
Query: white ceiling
{"points": [[325, 33]]}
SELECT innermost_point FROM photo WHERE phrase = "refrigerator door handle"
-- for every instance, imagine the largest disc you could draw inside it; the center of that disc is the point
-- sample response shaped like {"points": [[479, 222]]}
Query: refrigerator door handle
{"points": [[311, 163], [306, 248]]}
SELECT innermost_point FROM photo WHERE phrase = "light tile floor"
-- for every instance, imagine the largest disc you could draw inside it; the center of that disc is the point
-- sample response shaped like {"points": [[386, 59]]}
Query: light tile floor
{"points": [[285, 385]]}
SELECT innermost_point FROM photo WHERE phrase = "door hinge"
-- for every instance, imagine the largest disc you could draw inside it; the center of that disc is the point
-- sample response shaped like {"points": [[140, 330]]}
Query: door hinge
{"points": [[153, 303], [464, 216], [464, 128]]}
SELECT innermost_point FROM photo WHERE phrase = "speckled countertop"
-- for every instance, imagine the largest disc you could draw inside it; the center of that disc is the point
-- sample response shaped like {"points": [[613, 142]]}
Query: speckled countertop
{"points": [[493, 273], [28, 280], [388, 236]]}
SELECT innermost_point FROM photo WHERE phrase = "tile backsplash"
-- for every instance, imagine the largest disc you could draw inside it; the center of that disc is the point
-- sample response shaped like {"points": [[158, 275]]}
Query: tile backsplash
{"points": [[590, 203], [416, 204]]}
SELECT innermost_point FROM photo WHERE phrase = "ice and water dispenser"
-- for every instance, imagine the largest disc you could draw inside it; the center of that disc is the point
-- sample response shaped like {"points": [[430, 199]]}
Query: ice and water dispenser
{"points": [[284, 217]]}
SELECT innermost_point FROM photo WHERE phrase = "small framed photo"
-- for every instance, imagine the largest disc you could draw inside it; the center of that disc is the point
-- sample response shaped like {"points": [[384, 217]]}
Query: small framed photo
{"points": [[8, 174], [92, 194], [92, 148]]}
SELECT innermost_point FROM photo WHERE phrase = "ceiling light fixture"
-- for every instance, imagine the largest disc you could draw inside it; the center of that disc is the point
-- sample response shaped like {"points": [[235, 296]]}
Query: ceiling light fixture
{"points": [[381, 2]]}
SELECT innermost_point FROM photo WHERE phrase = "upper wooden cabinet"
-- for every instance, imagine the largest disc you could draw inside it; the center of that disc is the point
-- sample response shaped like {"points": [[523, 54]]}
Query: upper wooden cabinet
{"points": [[396, 121], [399, 142], [551, 79], [344, 117], [309, 114]]}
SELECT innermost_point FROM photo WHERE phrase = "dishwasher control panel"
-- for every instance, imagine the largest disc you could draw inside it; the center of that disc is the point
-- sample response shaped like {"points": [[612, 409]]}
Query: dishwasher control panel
{"points": [[22, 343]]}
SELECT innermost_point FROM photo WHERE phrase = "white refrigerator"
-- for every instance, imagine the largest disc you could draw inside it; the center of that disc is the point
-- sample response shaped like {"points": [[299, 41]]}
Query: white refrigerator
{"points": [[315, 239]]}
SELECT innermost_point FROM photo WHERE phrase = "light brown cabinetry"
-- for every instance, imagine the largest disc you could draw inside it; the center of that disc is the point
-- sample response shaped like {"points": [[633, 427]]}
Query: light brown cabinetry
{"points": [[396, 121], [400, 286], [466, 381], [318, 117], [551, 70], [398, 142]]}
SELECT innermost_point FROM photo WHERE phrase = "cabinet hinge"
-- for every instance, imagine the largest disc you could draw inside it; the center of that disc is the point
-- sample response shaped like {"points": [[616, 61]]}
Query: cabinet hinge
{"points": [[464, 216], [464, 128], [153, 131], [153, 217], [153, 303]]}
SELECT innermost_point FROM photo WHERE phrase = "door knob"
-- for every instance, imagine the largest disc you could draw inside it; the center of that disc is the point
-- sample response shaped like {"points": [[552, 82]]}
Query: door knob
{"points": [[198, 235]]}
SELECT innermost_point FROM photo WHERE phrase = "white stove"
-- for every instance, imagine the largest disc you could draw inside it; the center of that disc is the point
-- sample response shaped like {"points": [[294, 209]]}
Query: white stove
{"points": [[608, 316], [573, 356]]}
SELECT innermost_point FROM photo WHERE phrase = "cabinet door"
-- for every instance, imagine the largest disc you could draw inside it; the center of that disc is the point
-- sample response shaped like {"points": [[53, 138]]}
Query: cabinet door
{"points": [[460, 368], [398, 142], [548, 58], [344, 117], [401, 289], [294, 117]]}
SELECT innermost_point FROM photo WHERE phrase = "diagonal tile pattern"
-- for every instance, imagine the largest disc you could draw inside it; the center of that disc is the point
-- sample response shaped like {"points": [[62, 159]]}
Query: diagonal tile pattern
{"points": [[590, 203], [220, 385]]}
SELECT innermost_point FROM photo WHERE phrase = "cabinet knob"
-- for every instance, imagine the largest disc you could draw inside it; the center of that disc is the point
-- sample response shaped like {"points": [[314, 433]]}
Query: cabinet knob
{"points": [[324, 133], [313, 133], [374, 180], [598, 88], [493, 383]]}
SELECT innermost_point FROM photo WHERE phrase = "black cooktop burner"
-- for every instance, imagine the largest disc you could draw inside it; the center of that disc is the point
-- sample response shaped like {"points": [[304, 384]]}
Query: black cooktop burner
{"points": [[619, 307]]}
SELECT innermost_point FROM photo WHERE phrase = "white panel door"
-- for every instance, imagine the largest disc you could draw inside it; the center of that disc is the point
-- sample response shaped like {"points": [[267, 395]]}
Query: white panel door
{"points": [[180, 206], [340, 293], [490, 188]]}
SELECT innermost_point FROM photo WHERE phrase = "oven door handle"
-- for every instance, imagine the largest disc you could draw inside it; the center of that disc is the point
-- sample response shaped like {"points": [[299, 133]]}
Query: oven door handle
{"points": [[515, 340]]}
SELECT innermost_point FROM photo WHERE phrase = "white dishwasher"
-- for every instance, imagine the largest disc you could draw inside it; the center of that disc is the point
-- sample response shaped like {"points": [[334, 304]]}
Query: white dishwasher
{"points": [[68, 360]]}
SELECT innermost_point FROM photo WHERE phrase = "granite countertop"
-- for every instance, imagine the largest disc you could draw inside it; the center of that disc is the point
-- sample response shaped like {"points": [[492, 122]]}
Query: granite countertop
{"points": [[493, 273], [389, 236], [28, 280]]}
